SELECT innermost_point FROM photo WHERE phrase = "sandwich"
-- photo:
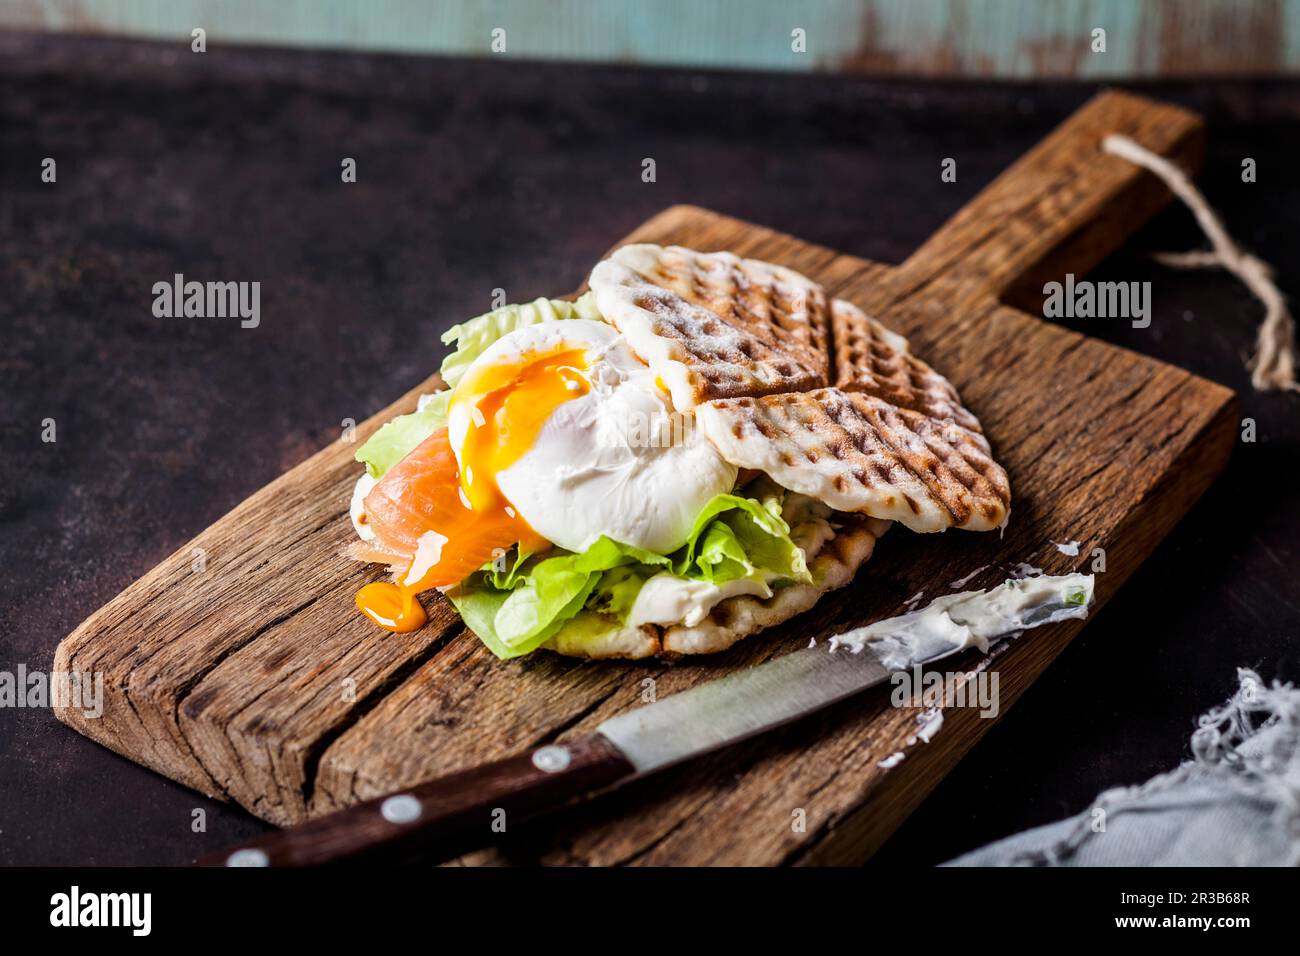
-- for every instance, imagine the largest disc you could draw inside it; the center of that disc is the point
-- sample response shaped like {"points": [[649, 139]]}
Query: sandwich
{"points": [[691, 452]]}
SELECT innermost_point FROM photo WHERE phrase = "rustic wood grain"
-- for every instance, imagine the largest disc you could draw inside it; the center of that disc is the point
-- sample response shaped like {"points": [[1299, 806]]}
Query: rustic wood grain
{"points": [[255, 680]]}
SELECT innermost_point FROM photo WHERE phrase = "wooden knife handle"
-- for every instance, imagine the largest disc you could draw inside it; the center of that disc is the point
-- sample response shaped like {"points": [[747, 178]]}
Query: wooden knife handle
{"points": [[449, 814]]}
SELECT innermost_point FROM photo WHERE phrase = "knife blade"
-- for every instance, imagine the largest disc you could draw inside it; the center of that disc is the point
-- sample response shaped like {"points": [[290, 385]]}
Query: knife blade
{"points": [[741, 705], [455, 812]]}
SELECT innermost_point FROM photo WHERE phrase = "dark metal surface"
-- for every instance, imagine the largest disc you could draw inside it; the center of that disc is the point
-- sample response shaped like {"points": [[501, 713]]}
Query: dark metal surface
{"points": [[474, 176]]}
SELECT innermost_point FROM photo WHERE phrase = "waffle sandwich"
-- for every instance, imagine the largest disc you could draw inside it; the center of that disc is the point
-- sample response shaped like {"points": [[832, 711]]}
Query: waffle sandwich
{"points": [[694, 451]]}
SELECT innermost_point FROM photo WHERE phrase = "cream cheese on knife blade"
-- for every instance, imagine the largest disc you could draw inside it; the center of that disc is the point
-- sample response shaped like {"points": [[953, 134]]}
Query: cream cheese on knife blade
{"points": [[971, 619]]}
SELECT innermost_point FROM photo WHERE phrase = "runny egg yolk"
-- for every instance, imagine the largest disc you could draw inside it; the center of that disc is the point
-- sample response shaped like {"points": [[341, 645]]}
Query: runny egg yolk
{"points": [[507, 405]]}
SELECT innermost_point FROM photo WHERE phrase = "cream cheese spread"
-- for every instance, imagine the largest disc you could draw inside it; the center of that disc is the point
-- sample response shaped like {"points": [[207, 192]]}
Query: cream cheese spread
{"points": [[972, 619]]}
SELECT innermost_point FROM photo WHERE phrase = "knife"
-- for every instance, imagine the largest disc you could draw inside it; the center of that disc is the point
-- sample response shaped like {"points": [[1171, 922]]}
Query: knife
{"points": [[456, 813]]}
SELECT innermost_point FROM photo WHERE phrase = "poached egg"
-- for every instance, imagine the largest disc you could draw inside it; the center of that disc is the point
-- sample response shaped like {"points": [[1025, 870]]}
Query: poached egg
{"points": [[562, 425]]}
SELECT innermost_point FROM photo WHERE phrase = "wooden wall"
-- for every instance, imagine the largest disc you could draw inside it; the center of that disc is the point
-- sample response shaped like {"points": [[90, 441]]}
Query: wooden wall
{"points": [[1017, 39]]}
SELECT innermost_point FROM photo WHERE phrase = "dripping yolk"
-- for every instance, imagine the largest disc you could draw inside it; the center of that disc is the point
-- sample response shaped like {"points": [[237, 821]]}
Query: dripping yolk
{"points": [[455, 516], [507, 405]]}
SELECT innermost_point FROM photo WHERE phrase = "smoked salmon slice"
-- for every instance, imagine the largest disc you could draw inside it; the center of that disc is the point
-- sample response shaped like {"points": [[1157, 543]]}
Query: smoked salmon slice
{"points": [[422, 494]]}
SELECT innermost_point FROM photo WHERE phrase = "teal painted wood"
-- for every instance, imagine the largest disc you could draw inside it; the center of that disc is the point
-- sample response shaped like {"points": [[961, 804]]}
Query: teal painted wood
{"points": [[1018, 39]]}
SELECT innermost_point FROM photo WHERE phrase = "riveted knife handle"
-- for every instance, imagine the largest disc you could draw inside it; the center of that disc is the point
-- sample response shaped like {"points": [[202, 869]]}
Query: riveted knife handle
{"points": [[443, 816]]}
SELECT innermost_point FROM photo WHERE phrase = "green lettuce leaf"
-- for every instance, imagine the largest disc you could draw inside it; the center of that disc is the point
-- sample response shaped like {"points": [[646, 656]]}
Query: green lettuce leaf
{"points": [[737, 537], [473, 337], [399, 437], [478, 606], [507, 573], [518, 604], [540, 596], [616, 591]]}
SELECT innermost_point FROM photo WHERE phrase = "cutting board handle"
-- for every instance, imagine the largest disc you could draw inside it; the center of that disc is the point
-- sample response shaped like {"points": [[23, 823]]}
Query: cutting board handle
{"points": [[1065, 201], [447, 815]]}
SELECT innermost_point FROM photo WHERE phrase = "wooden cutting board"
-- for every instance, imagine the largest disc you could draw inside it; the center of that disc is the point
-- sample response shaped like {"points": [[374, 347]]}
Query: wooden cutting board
{"points": [[240, 667]]}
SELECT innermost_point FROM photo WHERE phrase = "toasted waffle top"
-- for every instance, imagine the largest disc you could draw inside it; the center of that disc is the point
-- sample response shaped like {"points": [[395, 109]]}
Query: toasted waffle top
{"points": [[813, 392], [713, 325], [859, 453], [873, 360]]}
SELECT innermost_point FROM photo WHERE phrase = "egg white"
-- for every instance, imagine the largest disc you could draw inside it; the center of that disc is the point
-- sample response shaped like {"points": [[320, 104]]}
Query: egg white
{"points": [[616, 461]]}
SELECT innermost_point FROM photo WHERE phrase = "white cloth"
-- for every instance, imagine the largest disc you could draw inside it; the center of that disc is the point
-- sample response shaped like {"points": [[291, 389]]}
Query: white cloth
{"points": [[1235, 803]]}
